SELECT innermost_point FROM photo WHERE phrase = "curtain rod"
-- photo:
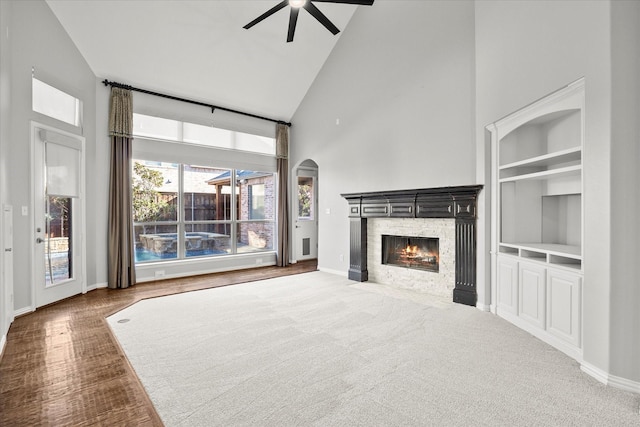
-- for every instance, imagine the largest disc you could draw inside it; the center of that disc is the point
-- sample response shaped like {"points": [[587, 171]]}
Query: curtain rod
{"points": [[190, 101]]}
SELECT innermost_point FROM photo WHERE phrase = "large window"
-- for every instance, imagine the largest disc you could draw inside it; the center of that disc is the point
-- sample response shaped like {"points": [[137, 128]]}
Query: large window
{"points": [[183, 211], [200, 191]]}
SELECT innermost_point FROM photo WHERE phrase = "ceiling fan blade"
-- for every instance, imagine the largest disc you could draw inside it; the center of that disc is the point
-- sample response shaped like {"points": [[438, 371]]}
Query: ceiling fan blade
{"points": [[267, 14], [362, 2], [321, 17], [293, 20]]}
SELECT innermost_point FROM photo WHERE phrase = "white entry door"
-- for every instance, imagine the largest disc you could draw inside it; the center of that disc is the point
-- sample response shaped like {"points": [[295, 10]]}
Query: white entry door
{"points": [[306, 224], [58, 212]]}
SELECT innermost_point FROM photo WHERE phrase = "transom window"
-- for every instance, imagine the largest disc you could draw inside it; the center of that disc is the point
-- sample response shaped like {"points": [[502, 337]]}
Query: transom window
{"points": [[174, 130], [53, 102]]}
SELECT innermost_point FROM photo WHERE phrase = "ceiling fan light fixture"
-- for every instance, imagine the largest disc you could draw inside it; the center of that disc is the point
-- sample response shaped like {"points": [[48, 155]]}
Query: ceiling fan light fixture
{"points": [[297, 3], [309, 7]]}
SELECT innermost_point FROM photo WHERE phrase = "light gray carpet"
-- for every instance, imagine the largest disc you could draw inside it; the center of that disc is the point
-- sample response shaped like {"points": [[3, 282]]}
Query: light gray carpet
{"points": [[317, 349]]}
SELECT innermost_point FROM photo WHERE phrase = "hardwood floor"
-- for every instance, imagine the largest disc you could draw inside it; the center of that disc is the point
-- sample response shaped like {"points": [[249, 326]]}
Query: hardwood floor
{"points": [[62, 366]]}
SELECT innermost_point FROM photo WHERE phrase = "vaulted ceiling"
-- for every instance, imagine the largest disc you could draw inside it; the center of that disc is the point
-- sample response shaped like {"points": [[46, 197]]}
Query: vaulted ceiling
{"points": [[199, 50]]}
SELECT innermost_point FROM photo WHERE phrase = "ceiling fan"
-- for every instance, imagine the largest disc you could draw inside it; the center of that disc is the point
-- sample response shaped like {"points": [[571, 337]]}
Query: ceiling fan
{"points": [[309, 7]]}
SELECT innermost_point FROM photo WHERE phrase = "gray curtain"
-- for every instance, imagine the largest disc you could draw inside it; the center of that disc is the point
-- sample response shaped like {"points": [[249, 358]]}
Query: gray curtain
{"points": [[121, 258], [282, 156]]}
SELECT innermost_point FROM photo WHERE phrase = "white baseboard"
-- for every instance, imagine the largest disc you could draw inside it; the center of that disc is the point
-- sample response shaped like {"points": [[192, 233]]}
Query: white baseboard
{"points": [[97, 286], [624, 384], [23, 310], [543, 335], [202, 272], [596, 373], [610, 380], [3, 342], [483, 307], [332, 271]]}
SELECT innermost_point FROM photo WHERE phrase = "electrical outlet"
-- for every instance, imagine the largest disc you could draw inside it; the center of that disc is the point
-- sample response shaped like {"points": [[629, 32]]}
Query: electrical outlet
{"points": [[159, 274], [341, 258], [258, 260]]}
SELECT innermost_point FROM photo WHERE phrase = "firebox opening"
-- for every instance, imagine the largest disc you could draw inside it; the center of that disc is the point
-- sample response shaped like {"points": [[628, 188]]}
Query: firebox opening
{"points": [[420, 253]]}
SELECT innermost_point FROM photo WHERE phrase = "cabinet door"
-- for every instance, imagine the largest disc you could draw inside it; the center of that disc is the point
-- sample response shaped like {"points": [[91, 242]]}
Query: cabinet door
{"points": [[531, 292], [507, 285], [564, 305]]}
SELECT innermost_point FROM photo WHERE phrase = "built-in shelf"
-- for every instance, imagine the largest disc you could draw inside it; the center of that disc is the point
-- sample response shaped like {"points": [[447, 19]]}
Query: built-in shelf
{"points": [[569, 256], [546, 174], [537, 171], [573, 154], [571, 251]]}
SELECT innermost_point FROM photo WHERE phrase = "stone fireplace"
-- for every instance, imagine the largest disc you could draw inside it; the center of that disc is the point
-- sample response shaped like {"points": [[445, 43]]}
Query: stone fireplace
{"points": [[410, 273], [416, 217]]}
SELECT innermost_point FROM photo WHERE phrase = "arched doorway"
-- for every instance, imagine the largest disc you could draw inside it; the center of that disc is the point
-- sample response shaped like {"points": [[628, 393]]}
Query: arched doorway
{"points": [[305, 211]]}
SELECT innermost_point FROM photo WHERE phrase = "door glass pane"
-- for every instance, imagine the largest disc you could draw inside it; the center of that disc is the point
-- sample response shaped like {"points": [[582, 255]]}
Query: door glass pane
{"points": [[58, 242], [305, 197]]}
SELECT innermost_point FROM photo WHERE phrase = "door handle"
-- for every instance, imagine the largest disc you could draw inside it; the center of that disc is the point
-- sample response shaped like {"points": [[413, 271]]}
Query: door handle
{"points": [[39, 240]]}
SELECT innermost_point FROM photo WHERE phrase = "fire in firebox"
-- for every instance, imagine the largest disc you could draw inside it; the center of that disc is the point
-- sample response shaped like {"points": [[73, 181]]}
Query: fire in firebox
{"points": [[421, 253]]}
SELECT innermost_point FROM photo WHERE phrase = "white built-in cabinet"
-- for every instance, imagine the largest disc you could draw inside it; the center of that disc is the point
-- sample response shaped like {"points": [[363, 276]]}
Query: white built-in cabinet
{"points": [[537, 217]]}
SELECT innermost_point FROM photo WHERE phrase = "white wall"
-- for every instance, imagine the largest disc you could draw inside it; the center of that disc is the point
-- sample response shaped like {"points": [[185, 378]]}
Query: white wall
{"points": [[98, 179], [38, 40], [401, 83], [625, 192], [6, 306], [527, 49]]}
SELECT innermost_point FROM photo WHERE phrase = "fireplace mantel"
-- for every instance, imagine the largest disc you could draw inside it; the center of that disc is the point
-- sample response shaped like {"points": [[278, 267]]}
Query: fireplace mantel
{"points": [[442, 202]]}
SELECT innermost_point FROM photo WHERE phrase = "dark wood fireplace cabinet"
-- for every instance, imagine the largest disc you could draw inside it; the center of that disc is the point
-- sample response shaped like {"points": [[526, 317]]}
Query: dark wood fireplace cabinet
{"points": [[444, 202]]}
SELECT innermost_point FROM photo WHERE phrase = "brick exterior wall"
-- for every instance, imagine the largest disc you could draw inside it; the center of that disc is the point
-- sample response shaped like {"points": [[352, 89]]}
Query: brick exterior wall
{"points": [[258, 233]]}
